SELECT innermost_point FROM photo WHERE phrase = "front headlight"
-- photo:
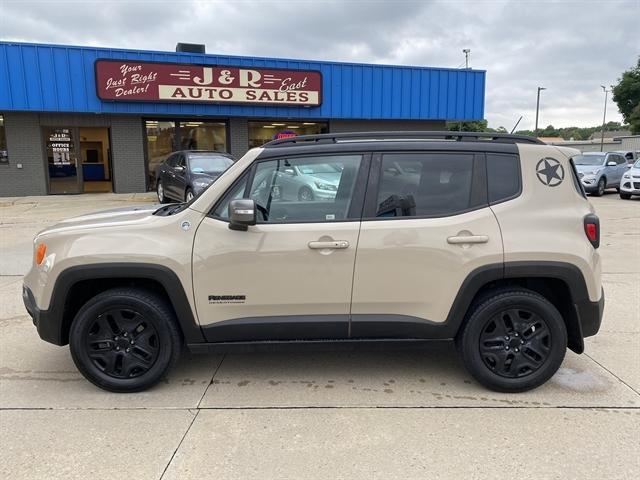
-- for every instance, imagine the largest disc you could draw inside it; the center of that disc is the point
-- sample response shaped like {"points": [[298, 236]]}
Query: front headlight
{"points": [[626, 176], [201, 184], [326, 186]]}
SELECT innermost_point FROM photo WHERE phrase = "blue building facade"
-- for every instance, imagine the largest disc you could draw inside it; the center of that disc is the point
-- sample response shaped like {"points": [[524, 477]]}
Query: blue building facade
{"points": [[114, 114]]}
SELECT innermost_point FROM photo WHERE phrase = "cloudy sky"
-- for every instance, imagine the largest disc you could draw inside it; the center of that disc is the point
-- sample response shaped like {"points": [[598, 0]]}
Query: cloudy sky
{"points": [[570, 47]]}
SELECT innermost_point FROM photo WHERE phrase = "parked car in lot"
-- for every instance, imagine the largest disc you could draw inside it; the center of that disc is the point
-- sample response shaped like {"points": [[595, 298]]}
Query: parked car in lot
{"points": [[309, 182], [630, 183], [629, 155], [186, 173], [600, 170], [485, 239]]}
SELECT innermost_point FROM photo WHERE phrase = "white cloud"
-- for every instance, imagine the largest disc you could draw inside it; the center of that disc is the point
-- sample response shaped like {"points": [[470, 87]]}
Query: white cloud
{"points": [[570, 47]]}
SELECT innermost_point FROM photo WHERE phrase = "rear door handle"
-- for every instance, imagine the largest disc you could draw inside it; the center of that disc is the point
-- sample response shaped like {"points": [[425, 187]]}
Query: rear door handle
{"points": [[460, 239], [333, 244]]}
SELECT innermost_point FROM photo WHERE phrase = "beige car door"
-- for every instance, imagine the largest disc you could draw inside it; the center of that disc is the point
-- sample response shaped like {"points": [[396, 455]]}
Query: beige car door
{"points": [[425, 229], [289, 277]]}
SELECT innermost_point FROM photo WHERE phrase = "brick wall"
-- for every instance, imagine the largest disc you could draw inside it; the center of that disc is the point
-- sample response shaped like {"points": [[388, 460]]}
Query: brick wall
{"points": [[127, 155], [239, 136], [24, 144]]}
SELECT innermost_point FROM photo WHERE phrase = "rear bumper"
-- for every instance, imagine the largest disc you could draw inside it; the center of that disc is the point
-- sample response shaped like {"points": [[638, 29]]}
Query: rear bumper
{"points": [[590, 316], [49, 326]]}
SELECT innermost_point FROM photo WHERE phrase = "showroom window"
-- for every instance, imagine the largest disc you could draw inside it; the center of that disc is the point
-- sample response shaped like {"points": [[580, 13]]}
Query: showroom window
{"points": [[4, 156], [166, 136], [265, 131]]}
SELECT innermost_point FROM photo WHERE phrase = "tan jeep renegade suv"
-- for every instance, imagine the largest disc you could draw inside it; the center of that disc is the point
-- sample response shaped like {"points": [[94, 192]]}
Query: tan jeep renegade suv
{"points": [[487, 239]]}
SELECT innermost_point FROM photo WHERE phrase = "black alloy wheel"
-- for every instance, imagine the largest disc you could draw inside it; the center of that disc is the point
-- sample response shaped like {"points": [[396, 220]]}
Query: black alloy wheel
{"points": [[513, 340], [125, 339], [122, 343], [162, 197]]}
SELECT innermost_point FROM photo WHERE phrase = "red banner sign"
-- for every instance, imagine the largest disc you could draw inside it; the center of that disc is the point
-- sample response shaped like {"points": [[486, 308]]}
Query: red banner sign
{"points": [[129, 81]]}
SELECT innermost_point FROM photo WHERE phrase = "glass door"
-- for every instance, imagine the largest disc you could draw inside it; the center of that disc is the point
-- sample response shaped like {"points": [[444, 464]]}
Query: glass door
{"points": [[62, 160]]}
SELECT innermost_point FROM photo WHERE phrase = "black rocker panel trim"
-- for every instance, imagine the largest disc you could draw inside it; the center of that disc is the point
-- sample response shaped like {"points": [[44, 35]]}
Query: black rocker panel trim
{"points": [[52, 324], [279, 328]]}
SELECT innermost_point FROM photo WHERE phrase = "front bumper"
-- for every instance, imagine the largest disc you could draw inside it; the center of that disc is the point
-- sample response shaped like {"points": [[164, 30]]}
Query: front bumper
{"points": [[589, 183], [630, 185], [49, 326]]}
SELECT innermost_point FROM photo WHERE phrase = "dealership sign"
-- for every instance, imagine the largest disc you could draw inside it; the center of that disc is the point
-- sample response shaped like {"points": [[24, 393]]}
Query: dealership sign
{"points": [[129, 81]]}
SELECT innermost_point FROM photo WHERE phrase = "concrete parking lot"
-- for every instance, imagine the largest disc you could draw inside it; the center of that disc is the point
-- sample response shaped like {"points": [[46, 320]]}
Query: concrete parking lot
{"points": [[360, 413]]}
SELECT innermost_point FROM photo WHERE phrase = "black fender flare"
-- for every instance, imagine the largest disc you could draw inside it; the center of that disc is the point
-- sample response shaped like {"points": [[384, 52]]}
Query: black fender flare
{"points": [[102, 271]]}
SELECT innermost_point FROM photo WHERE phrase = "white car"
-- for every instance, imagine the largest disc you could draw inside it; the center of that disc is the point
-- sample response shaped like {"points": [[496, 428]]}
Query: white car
{"points": [[630, 183]]}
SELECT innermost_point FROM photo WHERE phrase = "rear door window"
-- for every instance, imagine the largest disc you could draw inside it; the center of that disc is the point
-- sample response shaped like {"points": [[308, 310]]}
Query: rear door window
{"points": [[429, 185], [503, 177]]}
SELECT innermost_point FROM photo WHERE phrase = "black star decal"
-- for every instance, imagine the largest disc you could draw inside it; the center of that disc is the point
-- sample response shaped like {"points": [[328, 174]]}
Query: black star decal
{"points": [[550, 172]]}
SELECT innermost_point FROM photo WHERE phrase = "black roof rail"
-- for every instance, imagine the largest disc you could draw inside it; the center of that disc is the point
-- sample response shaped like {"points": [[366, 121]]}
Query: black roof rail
{"points": [[399, 135]]}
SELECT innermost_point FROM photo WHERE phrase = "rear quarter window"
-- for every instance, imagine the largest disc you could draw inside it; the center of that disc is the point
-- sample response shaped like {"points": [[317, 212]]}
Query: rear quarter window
{"points": [[503, 177]]}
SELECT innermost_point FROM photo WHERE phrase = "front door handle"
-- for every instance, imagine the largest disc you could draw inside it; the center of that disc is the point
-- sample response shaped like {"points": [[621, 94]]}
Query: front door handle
{"points": [[461, 239], [333, 244]]}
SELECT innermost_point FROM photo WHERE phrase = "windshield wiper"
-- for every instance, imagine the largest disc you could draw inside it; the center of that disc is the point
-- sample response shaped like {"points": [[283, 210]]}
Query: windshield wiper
{"points": [[170, 209]]}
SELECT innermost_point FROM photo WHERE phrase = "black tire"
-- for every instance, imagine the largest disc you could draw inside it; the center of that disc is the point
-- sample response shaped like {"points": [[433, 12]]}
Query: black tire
{"points": [[513, 341], [305, 194], [125, 340], [602, 185], [160, 192], [625, 196]]}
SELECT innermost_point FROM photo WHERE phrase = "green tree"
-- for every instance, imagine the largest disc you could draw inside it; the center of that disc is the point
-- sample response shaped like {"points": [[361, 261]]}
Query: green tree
{"points": [[627, 95], [475, 126]]}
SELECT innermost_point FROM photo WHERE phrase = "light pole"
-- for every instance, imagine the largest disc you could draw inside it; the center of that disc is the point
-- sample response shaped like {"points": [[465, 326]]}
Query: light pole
{"points": [[538, 110], [466, 52], [604, 117]]}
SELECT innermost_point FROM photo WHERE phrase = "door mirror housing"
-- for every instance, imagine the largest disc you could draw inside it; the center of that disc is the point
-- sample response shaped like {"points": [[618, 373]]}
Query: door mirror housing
{"points": [[242, 214], [611, 164]]}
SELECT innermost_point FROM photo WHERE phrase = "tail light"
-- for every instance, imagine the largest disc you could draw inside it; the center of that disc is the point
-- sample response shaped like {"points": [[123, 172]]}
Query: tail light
{"points": [[592, 229]]}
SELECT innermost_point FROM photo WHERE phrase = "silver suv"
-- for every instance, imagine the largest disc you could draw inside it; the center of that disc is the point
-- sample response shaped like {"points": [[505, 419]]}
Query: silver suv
{"points": [[485, 239]]}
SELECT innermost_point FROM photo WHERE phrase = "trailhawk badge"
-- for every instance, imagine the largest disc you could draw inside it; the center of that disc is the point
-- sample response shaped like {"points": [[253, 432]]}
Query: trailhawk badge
{"points": [[550, 172]]}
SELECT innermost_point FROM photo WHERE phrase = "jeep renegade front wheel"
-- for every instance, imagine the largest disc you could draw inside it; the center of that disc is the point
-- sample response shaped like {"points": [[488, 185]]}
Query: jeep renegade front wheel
{"points": [[513, 341], [125, 339]]}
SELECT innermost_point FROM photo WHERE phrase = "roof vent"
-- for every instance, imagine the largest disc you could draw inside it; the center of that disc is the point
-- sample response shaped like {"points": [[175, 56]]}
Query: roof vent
{"points": [[190, 48]]}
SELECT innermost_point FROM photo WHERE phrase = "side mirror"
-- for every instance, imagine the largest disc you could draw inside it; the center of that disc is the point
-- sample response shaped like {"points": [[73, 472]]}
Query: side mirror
{"points": [[611, 164], [242, 213]]}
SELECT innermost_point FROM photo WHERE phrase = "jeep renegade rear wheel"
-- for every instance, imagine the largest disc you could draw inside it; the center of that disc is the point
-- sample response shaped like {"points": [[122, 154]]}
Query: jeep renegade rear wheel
{"points": [[124, 340], [513, 341]]}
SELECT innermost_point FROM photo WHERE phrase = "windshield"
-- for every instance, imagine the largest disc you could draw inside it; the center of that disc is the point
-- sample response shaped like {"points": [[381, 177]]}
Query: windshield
{"points": [[208, 163], [588, 159], [637, 164]]}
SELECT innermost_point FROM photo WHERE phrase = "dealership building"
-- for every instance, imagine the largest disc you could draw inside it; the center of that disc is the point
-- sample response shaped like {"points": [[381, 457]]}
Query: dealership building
{"points": [[79, 119]]}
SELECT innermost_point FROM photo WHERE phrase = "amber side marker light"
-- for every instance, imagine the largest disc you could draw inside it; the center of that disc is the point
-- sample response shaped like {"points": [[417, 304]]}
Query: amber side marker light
{"points": [[41, 251]]}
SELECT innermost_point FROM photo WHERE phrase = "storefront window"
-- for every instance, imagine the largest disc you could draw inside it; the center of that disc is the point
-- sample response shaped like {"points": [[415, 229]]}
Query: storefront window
{"points": [[263, 132], [161, 142], [62, 160], [203, 136], [4, 156], [164, 137]]}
